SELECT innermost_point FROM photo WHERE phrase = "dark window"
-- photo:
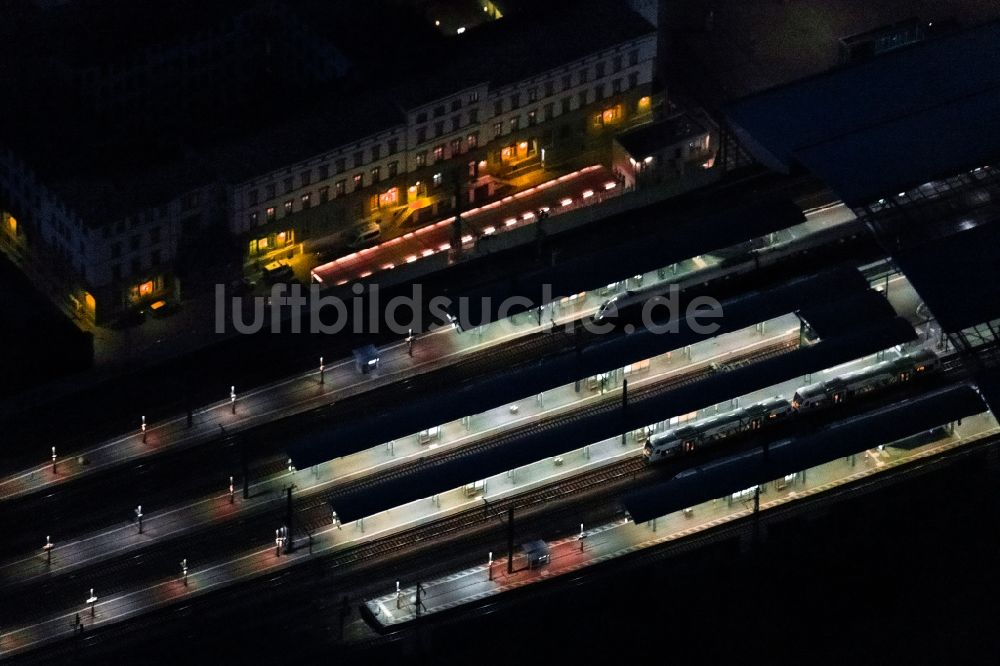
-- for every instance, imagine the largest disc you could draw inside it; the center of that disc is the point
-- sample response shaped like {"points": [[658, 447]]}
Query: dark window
{"points": [[633, 58], [599, 69], [533, 95], [550, 88], [270, 191], [421, 134], [393, 146], [567, 82], [617, 64], [324, 194], [252, 197], [341, 165], [473, 116], [393, 168], [305, 178], [359, 158], [473, 97], [456, 104], [567, 104], [633, 79], [582, 98], [324, 172], [439, 111], [422, 117], [377, 151], [456, 122], [616, 85], [439, 128], [498, 107], [289, 186], [582, 75], [515, 100], [550, 111]]}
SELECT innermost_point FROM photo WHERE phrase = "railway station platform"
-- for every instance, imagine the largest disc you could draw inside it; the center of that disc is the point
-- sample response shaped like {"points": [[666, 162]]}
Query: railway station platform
{"points": [[263, 557], [337, 380], [603, 543]]}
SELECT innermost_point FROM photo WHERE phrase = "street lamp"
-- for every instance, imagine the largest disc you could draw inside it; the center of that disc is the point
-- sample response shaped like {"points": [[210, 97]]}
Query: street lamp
{"points": [[53, 460], [232, 490], [291, 467], [581, 537], [48, 550], [144, 429], [92, 600], [399, 602], [489, 564], [138, 514], [336, 520], [184, 571], [409, 343], [322, 374], [232, 397]]}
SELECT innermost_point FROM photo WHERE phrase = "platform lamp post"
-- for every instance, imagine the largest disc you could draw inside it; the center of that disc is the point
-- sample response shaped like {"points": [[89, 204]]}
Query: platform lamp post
{"points": [[232, 398], [582, 537], [138, 515], [143, 428], [322, 372], [92, 600], [232, 491], [409, 342], [53, 460], [48, 550], [184, 571], [489, 565]]}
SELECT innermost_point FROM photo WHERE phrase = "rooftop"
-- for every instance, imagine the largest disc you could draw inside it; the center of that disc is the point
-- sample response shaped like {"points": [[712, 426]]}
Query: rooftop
{"points": [[648, 139], [896, 121]]}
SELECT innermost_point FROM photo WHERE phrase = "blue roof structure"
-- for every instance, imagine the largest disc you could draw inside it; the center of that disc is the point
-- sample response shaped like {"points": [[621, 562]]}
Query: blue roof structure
{"points": [[896, 121]]}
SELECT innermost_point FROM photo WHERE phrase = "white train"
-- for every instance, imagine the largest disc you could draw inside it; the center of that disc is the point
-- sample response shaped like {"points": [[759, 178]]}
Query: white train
{"points": [[690, 437]]}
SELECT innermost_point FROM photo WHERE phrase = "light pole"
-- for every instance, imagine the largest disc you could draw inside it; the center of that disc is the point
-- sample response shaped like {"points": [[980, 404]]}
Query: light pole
{"points": [[322, 374], [138, 515], [581, 537], [399, 598], [336, 520], [291, 467], [143, 429], [48, 550], [184, 571], [232, 397], [232, 491], [92, 600], [489, 564], [53, 460], [409, 343]]}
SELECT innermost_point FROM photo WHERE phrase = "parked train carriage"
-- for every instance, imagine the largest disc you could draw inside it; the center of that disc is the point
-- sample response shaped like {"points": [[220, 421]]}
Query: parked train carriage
{"points": [[876, 377], [690, 437]]}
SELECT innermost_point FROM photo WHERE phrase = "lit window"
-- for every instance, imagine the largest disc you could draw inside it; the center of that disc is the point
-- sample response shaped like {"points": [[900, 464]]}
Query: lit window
{"points": [[438, 153], [437, 178], [389, 197], [289, 207], [146, 288], [269, 213], [472, 140]]}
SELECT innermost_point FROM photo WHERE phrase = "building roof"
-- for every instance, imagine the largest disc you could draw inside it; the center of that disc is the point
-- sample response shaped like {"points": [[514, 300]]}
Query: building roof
{"points": [[896, 121], [649, 139], [958, 276]]}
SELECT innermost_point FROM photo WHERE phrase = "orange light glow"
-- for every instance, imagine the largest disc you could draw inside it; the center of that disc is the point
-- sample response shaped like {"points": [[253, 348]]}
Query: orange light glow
{"points": [[146, 288]]}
